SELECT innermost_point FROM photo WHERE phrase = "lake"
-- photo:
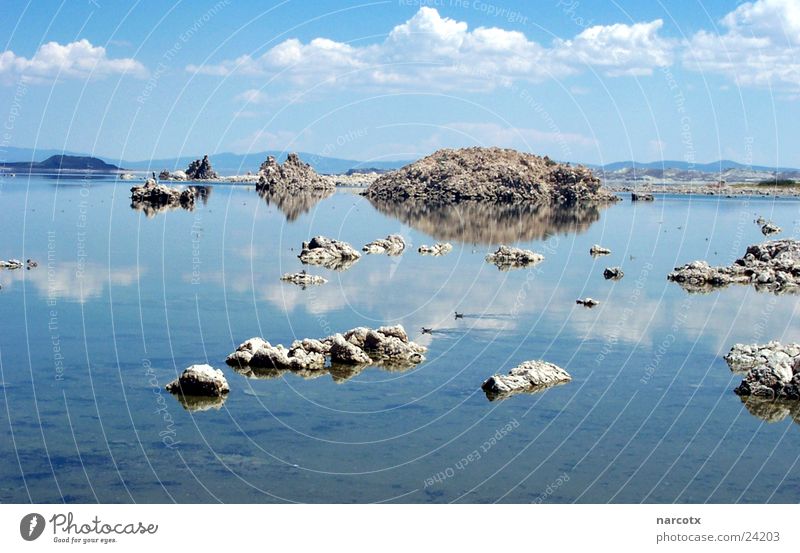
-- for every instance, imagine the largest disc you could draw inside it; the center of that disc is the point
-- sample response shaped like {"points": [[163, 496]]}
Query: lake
{"points": [[123, 300]]}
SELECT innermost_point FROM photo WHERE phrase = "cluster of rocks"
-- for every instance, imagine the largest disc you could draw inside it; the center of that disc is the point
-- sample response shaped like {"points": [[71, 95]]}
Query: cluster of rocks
{"points": [[494, 174], [587, 302], [329, 253], [530, 376], [200, 380], [613, 273], [303, 279], [292, 174], [394, 244], [597, 250], [361, 346], [440, 248], [772, 266], [773, 369], [507, 257], [200, 169], [155, 194], [127, 176], [770, 228], [12, 264], [641, 197]]}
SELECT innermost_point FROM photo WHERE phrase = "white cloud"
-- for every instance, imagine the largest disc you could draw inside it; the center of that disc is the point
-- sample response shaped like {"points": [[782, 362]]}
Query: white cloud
{"points": [[621, 49], [442, 53], [760, 45], [78, 59], [252, 96]]}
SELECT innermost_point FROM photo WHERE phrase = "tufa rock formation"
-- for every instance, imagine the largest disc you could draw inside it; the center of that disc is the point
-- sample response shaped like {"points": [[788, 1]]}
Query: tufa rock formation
{"points": [[530, 376], [329, 253], [493, 174], [394, 244], [507, 258], [773, 266], [200, 169], [359, 347], [200, 380], [292, 175]]}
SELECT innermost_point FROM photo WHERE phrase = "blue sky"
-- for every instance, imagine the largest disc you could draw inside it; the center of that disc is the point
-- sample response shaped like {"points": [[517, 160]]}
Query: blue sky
{"points": [[585, 81]]}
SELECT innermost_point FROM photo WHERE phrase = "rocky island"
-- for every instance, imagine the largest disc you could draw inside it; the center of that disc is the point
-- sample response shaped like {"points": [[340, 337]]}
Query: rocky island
{"points": [[772, 266], [490, 174]]}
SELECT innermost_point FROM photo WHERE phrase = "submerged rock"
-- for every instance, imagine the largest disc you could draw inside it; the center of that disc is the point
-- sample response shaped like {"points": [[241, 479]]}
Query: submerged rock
{"points": [[200, 380], [641, 197], [530, 376], [394, 244], [772, 266], [329, 253], [613, 273], [770, 228], [587, 302], [293, 174], [507, 258], [440, 248], [773, 370], [200, 169], [599, 250], [304, 279], [197, 404], [495, 174], [388, 346], [772, 410]]}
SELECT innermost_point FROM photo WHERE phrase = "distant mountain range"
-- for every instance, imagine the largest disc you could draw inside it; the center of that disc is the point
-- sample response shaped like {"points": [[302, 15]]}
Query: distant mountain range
{"points": [[226, 163], [714, 167]]}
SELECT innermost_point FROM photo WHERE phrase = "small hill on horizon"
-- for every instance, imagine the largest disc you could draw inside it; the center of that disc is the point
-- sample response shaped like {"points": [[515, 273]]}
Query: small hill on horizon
{"points": [[61, 162]]}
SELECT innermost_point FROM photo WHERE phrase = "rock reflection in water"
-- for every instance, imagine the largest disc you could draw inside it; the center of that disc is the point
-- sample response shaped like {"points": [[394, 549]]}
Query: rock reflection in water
{"points": [[339, 372], [200, 403], [295, 203], [151, 209], [491, 223], [770, 410]]}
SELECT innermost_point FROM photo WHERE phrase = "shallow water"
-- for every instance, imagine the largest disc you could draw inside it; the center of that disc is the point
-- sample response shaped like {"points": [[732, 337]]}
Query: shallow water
{"points": [[121, 302]]}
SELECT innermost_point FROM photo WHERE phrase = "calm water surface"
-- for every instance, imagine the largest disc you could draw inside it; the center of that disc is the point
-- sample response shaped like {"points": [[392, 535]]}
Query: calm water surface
{"points": [[123, 300]]}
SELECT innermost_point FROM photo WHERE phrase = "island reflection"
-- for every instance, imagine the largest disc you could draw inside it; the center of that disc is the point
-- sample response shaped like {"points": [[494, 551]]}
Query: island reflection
{"points": [[491, 223], [295, 203]]}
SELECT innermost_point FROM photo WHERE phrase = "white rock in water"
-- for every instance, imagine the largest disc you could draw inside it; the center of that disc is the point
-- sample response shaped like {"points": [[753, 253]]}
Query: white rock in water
{"points": [[303, 279], [530, 376], [200, 380], [393, 244], [329, 253], [387, 345], [507, 258], [437, 249], [599, 250]]}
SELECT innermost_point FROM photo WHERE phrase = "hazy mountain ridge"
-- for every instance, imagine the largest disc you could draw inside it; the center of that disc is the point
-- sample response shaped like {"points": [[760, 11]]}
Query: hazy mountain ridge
{"points": [[230, 163]]}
